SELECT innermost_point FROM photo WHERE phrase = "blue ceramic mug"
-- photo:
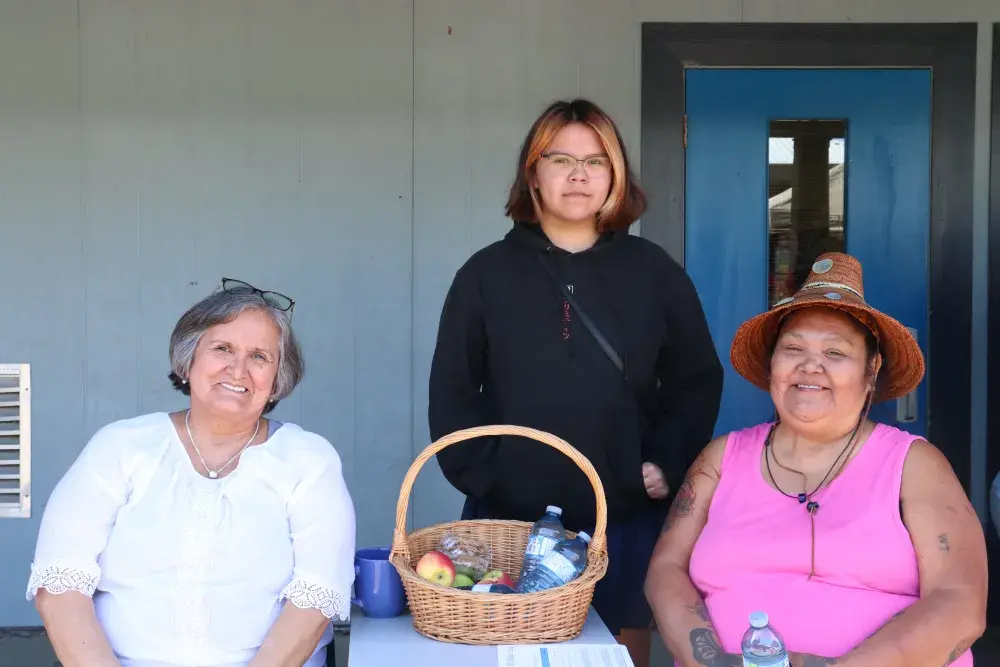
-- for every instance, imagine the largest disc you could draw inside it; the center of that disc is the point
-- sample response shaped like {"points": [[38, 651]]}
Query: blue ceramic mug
{"points": [[377, 588]]}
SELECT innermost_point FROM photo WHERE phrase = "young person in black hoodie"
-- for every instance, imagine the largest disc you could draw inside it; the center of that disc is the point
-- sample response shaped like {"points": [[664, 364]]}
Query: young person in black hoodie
{"points": [[513, 348]]}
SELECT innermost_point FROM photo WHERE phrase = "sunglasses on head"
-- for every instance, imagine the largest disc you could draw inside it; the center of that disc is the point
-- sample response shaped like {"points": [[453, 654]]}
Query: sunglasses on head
{"points": [[276, 299]]}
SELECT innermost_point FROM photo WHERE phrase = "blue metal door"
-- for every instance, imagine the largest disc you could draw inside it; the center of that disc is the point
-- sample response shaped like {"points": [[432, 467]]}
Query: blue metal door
{"points": [[732, 238]]}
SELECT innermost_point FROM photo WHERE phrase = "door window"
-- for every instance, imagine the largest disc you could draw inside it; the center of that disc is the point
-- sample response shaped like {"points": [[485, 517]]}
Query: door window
{"points": [[805, 199]]}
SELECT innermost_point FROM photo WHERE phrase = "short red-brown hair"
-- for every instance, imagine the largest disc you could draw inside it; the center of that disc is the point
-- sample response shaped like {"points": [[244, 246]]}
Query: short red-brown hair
{"points": [[626, 201]]}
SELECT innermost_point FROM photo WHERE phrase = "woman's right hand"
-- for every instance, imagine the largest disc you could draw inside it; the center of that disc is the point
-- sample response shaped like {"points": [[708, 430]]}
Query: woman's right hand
{"points": [[73, 629]]}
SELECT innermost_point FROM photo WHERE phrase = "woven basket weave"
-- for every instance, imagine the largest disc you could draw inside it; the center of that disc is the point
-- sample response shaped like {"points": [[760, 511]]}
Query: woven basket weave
{"points": [[464, 617]]}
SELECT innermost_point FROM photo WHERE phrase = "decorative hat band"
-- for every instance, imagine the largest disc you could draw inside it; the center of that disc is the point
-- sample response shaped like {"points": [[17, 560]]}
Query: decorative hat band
{"points": [[824, 285]]}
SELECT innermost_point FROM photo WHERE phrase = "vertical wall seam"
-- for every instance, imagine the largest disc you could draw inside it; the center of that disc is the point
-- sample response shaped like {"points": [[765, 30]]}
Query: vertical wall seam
{"points": [[81, 180], [413, 245], [978, 407]]}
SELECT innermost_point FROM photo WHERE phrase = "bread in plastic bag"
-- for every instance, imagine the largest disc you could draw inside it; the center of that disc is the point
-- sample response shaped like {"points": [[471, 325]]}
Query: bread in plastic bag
{"points": [[471, 556]]}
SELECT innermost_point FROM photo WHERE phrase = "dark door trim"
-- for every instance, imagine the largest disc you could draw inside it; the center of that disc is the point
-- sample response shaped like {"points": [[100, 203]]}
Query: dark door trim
{"points": [[993, 326], [950, 49]]}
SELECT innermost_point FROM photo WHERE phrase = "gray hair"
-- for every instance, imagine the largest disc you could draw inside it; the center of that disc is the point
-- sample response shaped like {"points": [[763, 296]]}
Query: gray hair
{"points": [[222, 307]]}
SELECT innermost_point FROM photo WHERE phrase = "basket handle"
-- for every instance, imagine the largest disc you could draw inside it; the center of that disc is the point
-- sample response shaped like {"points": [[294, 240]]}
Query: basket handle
{"points": [[597, 542]]}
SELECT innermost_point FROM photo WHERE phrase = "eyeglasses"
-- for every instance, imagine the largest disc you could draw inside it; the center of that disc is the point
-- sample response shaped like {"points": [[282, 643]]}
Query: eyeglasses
{"points": [[276, 299], [595, 165]]}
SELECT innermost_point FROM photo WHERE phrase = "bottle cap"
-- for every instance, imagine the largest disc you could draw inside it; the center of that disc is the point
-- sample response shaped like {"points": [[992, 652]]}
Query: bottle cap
{"points": [[555, 510], [584, 536], [758, 620]]}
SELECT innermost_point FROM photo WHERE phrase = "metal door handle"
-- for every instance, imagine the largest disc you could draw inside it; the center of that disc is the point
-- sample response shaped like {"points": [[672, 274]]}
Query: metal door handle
{"points": [[906, 405]]}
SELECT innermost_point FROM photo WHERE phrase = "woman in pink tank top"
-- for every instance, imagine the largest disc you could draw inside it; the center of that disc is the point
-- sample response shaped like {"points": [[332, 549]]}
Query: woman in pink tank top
{"points": [[855, 538]]}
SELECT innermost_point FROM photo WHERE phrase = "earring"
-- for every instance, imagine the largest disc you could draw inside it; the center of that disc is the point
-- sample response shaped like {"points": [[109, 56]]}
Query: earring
{"points": [[184, 381]]}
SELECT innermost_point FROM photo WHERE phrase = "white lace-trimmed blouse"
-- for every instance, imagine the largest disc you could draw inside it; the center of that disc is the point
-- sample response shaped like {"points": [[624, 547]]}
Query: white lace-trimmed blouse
{"points": [[187, 571]]}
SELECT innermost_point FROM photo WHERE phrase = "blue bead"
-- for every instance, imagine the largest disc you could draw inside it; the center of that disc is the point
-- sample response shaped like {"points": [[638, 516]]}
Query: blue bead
{"points": [[802, 497]]}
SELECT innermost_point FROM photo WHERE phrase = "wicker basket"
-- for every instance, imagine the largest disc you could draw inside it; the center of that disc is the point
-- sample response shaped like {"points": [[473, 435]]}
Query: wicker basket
{"points": [[463, 617]]}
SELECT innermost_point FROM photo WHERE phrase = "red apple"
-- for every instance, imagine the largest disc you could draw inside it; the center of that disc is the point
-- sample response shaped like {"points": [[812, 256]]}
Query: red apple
{"points": [[497, 577], [436, 567]]}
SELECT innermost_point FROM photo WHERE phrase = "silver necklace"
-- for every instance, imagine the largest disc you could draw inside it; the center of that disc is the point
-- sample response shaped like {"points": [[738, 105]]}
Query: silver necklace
{"points": [[213, 474]]}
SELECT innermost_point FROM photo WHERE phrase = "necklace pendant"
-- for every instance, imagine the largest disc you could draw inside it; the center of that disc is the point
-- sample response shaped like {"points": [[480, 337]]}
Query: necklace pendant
{"points": [[812, 507], [212, 474], [802, 497]]}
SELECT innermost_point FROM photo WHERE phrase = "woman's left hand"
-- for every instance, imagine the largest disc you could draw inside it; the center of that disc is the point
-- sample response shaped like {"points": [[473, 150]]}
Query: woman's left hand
{"points": [[656, 485]]}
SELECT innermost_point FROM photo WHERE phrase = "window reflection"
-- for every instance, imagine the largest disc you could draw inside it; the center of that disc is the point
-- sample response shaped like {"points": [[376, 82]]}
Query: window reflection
{"points": [[806, 203]]}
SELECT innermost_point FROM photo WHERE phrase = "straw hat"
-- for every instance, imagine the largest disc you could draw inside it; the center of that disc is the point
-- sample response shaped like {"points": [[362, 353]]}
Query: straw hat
{"points": [[834, 282]]}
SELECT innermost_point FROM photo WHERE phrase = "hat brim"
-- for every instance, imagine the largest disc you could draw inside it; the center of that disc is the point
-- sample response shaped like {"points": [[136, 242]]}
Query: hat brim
{"points": [[903, 362]]}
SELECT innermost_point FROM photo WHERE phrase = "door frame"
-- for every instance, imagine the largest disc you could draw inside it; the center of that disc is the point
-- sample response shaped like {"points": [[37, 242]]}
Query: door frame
{"points": [[668, 49], [993, 327]]}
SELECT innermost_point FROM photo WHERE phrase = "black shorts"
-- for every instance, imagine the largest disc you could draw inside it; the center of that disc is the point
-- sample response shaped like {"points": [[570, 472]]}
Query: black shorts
{"points": [[618, 598]]}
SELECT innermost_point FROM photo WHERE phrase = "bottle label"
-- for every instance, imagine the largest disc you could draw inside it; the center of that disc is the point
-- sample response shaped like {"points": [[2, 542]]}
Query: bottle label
{"points": [[539, 545], [559, 565], [765, 662]]}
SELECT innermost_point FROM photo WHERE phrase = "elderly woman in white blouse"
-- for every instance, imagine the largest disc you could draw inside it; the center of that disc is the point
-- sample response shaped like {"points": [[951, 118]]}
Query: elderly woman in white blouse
{"points": [[210, 536]]}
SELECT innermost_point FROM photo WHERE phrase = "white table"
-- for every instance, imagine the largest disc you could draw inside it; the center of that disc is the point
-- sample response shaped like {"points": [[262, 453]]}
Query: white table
{"points": [[392, 642]]}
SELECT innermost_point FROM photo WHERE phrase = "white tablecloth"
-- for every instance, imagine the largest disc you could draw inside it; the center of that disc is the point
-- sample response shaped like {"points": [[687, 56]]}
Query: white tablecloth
{"points": [[393, 642]]}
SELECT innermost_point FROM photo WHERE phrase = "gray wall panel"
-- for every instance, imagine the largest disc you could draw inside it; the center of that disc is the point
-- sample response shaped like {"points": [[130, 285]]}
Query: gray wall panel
{"points": [[350, 153], [42, 272]]}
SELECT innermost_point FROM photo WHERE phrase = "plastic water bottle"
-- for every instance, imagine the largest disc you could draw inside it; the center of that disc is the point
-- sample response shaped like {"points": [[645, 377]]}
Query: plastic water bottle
{"points": [[545, 534], [761, 645], [563, 564]]}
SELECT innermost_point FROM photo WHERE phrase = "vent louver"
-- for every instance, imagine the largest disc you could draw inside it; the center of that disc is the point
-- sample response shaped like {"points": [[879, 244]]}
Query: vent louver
{"points": [[15, 440]]}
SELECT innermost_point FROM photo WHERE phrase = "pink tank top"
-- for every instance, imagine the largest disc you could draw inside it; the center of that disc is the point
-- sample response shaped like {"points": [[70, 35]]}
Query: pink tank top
{"points": [[754, 552]]}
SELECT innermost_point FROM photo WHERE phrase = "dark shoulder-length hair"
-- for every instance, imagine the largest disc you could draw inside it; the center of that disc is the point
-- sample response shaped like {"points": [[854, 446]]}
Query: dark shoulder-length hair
{"points": [[626, 201]]}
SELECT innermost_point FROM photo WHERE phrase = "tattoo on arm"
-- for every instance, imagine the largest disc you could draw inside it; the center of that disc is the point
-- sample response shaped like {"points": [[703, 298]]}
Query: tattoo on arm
{"points": [[683, 504], [685, 498], [959, 650], [707, 650], [943, 542], [701, 611]]}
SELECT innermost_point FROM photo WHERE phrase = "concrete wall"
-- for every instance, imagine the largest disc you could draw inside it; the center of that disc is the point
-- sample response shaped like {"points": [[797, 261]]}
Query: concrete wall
{"points": [[350, 153]]}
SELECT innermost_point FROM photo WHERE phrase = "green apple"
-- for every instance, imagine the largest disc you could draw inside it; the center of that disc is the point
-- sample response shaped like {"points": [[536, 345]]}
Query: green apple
{"points": [[462, 581]]}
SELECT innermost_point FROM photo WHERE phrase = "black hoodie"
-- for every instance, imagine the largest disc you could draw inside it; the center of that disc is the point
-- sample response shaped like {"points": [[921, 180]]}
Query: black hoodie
{"points": [[510, 350]]}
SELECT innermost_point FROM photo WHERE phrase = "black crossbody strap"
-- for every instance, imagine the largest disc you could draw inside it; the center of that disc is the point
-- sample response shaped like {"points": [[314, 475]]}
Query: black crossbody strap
{"points": [[587, 322]]}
